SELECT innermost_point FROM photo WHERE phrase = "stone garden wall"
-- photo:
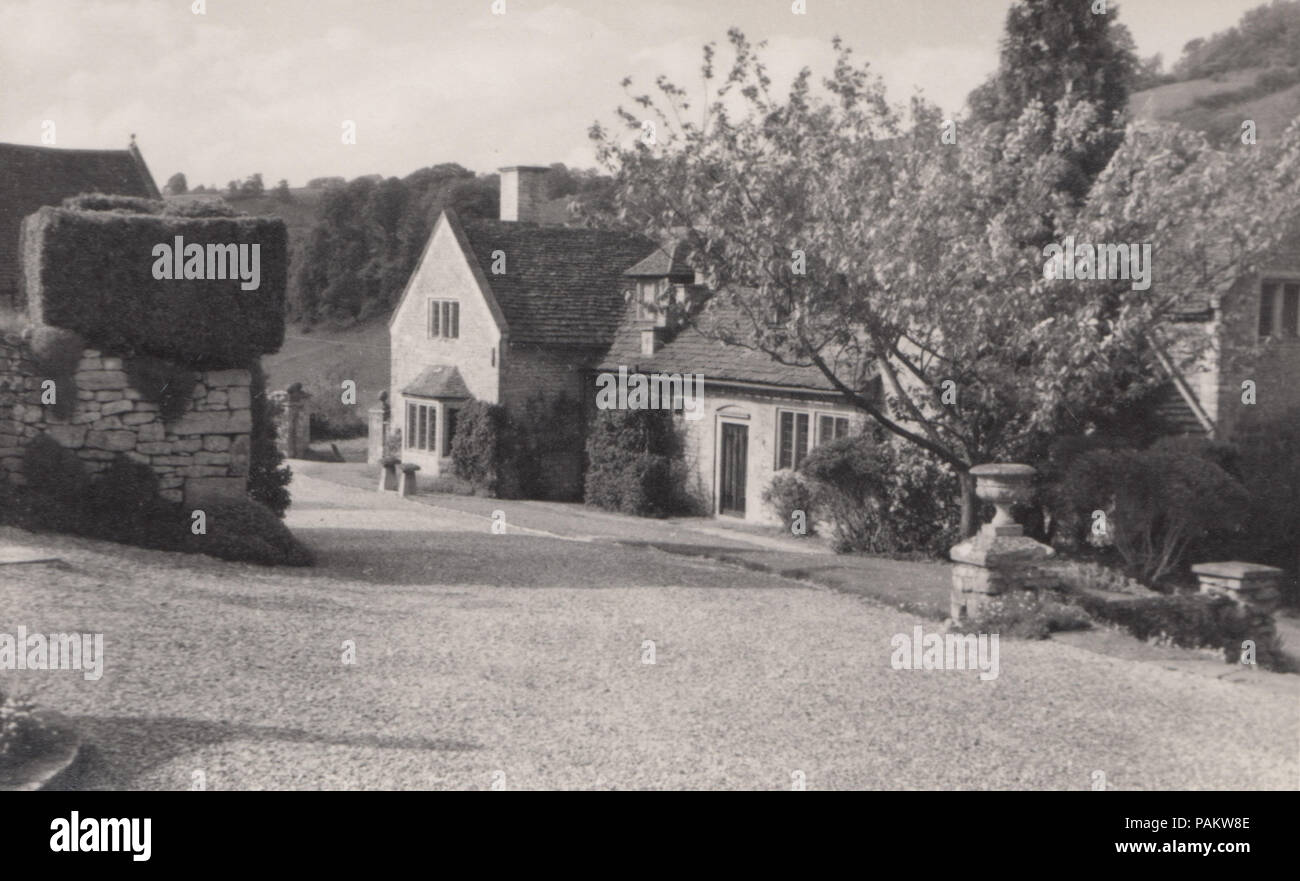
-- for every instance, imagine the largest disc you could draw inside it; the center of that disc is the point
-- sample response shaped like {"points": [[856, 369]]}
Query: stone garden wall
{"points": [[202, 454]]}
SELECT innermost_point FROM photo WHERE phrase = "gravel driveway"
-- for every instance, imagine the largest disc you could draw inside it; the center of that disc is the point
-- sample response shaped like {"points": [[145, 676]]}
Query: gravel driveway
{"points": [[519, 659]]}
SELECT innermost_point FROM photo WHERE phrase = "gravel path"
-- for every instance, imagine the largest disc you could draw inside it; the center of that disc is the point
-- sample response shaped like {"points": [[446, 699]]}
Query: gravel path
{"points": [[518, 659]]}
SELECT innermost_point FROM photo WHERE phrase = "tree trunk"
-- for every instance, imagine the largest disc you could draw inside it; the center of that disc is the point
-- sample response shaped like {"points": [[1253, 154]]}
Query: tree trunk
{"points": [[970, 505]]}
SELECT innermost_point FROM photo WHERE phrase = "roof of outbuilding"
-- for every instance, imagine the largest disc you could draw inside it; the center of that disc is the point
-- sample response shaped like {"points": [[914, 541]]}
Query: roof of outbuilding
{"points": [[31, 177], [695, 351], [561, 285], [438, 381]]}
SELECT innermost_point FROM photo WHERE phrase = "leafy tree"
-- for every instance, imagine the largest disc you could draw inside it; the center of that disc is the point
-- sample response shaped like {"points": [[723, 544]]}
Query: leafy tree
{"points": [[1057, 48], [252, 186], [176, 185], [281, 191], [370, 234], [834, 237]]}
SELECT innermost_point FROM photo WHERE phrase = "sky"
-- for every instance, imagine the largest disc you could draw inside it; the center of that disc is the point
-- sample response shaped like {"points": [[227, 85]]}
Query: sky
{"points": [[266, 85]]}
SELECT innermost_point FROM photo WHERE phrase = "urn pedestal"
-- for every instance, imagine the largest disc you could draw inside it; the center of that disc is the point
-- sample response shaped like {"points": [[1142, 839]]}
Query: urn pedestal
{"points": [[1000, 558]]}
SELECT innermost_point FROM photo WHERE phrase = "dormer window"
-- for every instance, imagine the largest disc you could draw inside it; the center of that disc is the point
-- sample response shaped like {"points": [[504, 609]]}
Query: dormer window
{"points": [[652, 300]]}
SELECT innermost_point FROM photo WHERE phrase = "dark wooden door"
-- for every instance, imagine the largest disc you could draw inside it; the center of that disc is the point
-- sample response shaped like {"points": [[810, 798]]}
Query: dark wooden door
{"points": [[731, 484]]}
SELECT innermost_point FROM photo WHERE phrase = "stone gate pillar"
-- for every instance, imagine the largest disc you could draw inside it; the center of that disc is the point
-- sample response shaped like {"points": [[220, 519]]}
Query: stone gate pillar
{"points": [[377, 431], [1000, 558], [293, 421]]}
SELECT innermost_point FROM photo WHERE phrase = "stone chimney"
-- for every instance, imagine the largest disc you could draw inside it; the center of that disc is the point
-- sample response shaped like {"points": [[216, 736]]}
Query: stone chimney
{"points": [[523, 192]]}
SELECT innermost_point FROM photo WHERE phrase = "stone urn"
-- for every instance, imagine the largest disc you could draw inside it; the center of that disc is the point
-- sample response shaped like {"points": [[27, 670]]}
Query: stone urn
{"points": [[1003, 485], [1000, 558]]}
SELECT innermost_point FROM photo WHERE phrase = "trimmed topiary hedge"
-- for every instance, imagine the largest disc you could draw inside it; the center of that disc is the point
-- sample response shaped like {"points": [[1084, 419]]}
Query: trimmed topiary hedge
{"points": [[93, 272]]}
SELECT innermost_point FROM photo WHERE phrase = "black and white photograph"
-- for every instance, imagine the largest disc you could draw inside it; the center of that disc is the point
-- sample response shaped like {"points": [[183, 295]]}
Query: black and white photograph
{"points": [[783, 395]]}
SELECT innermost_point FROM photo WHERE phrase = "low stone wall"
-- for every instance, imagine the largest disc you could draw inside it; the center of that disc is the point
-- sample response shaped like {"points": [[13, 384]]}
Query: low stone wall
{"points": [[202, 454]]}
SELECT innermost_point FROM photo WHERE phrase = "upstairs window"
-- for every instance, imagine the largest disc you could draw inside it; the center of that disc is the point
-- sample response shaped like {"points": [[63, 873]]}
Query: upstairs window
{"points": [[444, 319], [1279, 309]]}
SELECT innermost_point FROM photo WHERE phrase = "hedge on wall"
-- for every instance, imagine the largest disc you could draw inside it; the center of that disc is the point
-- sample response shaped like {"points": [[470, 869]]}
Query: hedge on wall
{"points": [[93, 272]]}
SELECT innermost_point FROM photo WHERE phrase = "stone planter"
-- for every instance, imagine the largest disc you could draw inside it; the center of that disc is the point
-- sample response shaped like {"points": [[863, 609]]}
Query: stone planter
{"points": [[1247, 584], [62, 746], [388, 474], [407, 485], [999, 558]]}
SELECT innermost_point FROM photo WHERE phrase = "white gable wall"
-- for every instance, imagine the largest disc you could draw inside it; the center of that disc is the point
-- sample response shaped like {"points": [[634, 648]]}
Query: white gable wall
{"points": [[443, 273]]}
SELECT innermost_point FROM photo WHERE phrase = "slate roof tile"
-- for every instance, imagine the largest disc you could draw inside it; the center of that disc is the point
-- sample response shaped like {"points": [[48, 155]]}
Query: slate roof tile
{"points": [[562, 285], [692, 351], [438, 381]]}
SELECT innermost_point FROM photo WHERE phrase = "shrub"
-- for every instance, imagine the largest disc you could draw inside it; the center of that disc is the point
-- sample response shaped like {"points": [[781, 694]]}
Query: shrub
{"points": [[851, 473], [634, 466], [1025, 614], [55, 490], [244, 530], [448, 484], [545, 435], [924, 513], [881, 498], [1193, 621], [1157, 503], [123, 505], [1269, 465], [92, 272], [789, 492], [479, 449], [268, 477]]}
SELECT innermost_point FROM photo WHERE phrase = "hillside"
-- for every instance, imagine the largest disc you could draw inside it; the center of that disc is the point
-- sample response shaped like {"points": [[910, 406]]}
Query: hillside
{"points": [[299, 215], [321, 359], [1218, 105]]}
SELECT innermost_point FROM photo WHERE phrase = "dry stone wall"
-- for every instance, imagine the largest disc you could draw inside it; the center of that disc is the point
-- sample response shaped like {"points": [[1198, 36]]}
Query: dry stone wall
{"points": [[202, 454]]}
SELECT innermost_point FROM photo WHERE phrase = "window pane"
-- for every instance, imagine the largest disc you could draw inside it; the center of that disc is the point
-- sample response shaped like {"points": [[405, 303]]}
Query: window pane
{"points": [[842, 426], [432, 416], [801, 437], [785, 454], [825, 429], [433, 318], [1267, 296], [410, 426], [1290, 310], [455, 320], [420, 426]]}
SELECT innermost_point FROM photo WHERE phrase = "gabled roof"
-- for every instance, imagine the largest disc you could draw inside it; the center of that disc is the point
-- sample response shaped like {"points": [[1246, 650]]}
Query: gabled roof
{"points": [[692, 351], [561, 285], [31, 177], [669, 260], [439, 381]]}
